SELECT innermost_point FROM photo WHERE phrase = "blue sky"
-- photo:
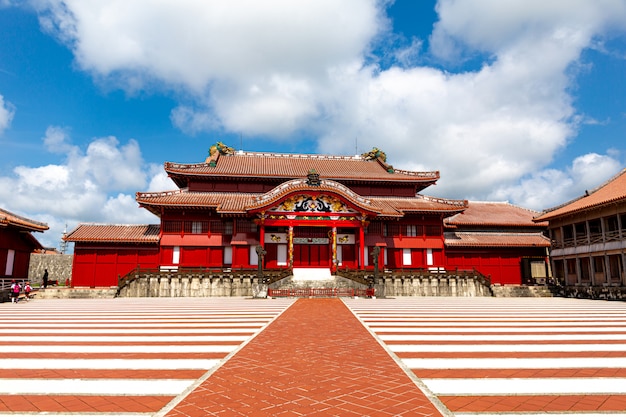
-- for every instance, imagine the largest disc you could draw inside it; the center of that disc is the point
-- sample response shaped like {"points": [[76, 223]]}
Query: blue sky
{"points": [[520, 101]]}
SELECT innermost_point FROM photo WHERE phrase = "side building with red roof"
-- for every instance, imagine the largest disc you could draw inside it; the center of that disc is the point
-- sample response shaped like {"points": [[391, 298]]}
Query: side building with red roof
{"points": [[588, 236], [289, 211], [501, 241], [17, 243]]}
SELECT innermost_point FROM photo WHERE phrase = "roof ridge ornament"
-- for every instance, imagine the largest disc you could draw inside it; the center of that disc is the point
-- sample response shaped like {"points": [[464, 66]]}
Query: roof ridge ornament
{"points": [[313, 178], [219, 148], [375, 153]]}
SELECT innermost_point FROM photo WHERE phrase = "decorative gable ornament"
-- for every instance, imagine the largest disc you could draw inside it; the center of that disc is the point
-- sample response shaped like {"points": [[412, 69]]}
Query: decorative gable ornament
{"points": [[313, 178]]}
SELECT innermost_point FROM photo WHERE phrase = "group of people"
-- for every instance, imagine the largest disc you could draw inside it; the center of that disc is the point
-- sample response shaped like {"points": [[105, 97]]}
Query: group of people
{"points": [[16, 289]]}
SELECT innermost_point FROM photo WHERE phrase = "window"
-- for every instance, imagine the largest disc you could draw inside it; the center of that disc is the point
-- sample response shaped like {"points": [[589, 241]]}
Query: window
{"points": [[8, 271], [176, 255], [281, 254], [228, 228], [411, 230], [432, 230], [598, 264], [375, 228], [228, 255], [429, 257], [246, 226], [172, 226], [538, 269], [254, 257], [406, 257]]}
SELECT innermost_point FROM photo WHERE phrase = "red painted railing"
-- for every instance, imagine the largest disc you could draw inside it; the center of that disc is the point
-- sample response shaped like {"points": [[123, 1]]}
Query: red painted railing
{"points": [[320, 292]]}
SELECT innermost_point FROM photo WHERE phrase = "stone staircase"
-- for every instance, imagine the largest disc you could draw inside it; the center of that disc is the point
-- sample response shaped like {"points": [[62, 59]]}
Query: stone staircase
{"points": [[521, 291]]}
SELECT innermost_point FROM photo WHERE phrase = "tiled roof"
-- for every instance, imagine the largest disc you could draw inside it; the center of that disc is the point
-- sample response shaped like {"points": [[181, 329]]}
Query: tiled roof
{"points": [[398, 206], [7, 218], [272, 165], [115, 233], [614, 190], [239, 203], [483, 213], [503, 239], [227, 203]]}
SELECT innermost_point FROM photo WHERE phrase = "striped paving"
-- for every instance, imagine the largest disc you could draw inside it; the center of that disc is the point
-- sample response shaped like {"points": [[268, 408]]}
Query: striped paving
{"points": [[122, 357], [509, 357]]}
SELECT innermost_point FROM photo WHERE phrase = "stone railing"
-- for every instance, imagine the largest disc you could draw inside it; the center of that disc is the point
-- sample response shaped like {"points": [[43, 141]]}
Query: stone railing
{"points": [[423, 282], [196, 282]]}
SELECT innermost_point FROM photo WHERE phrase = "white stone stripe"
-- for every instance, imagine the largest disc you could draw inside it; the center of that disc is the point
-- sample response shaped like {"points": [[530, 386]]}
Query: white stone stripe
{"points": [[129, 339], [39, 327], [93, 386], [512, 348], [135, 322], [153, 364], [513, 363], [526, 386], [499, 337], [183, 332], [487, 323], [117, 348], [503, 329]]}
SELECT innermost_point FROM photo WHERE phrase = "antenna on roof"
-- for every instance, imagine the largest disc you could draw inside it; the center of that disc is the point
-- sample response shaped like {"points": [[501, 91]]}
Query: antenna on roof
{"points": [[240, 141], [356, 145]]}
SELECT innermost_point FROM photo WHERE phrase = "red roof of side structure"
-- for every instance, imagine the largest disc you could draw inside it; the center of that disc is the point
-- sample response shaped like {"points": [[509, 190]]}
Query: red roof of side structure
{"points": [[612, 191], [10, 219], [493, 214], [115, 233], [495, 239], [286, 166]]}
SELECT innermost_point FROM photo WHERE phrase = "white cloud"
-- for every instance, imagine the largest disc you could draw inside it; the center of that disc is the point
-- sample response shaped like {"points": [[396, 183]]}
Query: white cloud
{"points": [[277, 68], [85, 188], [191, 43], [7, 111], [56, 140], [551, 187]]}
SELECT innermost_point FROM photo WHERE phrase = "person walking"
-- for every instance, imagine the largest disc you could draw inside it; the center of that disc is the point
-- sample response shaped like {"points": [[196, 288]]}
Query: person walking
{"points": [[15, 291], [27, 290], [45, 278]]}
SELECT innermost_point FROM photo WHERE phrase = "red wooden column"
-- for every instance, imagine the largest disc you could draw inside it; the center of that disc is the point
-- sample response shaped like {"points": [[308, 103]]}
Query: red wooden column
{"points": [[362, 246], [333, 266], [290, 247]]}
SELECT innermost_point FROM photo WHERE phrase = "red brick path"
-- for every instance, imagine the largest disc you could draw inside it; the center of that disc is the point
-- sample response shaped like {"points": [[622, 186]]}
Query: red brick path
{"points": [[315, 359]]}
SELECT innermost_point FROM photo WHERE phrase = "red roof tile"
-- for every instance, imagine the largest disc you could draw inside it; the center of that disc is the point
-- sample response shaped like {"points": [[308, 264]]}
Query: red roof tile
{"points": [[612, 191], [483, 213], [117, 233], [258, 164], [487, 239], [7, 218], [240, 203]]}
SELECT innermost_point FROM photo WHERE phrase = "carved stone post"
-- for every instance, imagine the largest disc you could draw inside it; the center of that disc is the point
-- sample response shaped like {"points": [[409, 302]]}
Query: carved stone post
{"points": [[260, 289]]}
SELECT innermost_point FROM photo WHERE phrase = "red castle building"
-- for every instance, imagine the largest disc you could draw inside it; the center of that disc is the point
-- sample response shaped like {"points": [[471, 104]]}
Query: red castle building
{"points": [[17, 243], [309, 211]]}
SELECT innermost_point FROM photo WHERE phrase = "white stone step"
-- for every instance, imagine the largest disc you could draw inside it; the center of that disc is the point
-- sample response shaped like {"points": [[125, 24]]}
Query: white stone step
{"points": [[311, 274]]}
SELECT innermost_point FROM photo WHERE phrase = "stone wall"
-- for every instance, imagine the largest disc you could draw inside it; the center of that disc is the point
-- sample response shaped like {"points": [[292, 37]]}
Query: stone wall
{"points": [[521, 291], [232, 285], [431, 286], [191, 285], [59, 267]]}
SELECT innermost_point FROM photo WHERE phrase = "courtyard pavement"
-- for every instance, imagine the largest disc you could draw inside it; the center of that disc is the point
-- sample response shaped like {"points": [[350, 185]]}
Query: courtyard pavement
{"points": [[426, 356]]}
